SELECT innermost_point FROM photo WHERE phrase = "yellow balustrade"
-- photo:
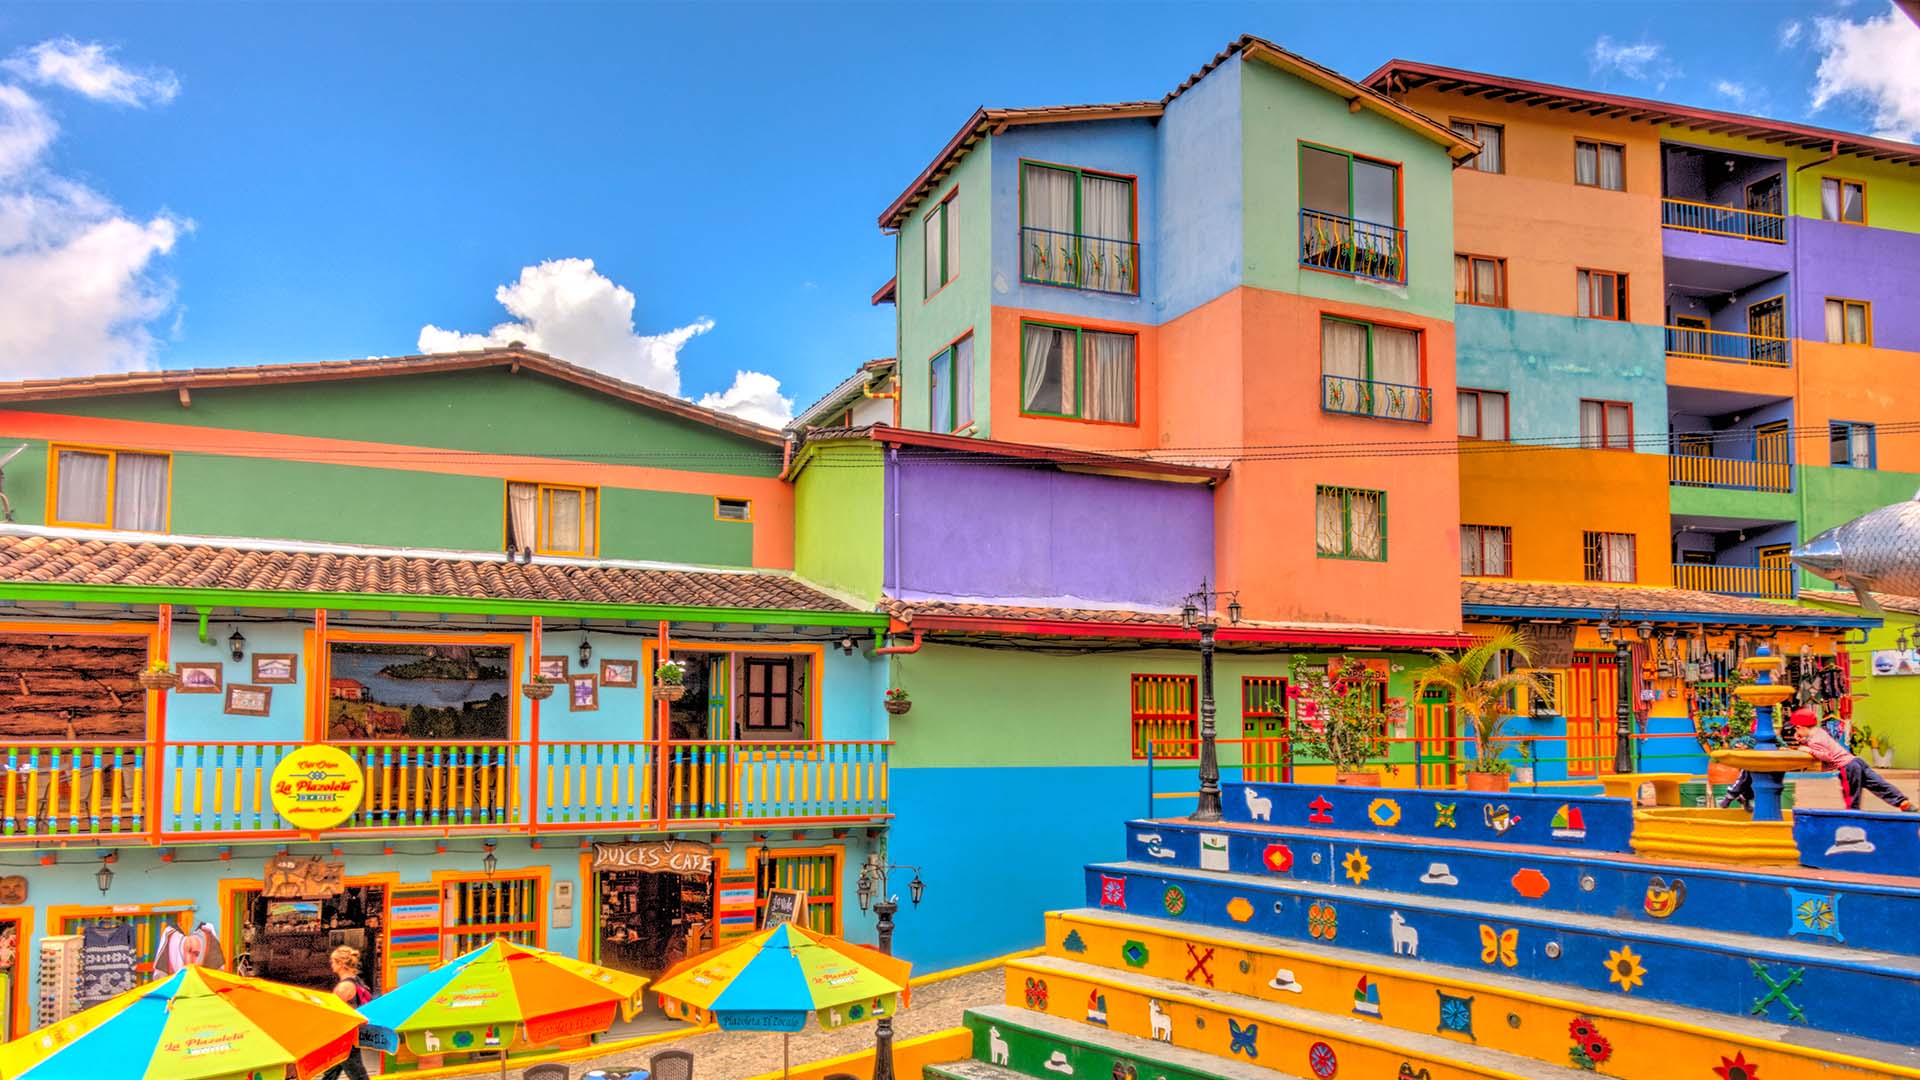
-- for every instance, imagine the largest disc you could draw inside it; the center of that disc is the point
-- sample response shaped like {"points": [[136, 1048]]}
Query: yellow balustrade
{"points": [[1768, 582], [1697, 471]]}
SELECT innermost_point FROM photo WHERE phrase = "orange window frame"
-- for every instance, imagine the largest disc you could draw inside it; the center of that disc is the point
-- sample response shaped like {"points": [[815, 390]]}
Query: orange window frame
{"points": [[1597, 145], [835, 896], [1622, 297], [1506, 413], [1174, 730], [1473, 163], [1866, 319], [1500, 279], [543, 524], [1844, 181], [1601, 541], [112, 454], [535, 920], [1606, 442], [717, 515]]}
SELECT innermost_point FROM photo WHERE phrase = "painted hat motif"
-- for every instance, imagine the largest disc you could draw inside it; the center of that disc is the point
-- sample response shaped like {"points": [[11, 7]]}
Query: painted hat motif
{"points": [[1438, 874], [1850, 839], [1283, 980]]}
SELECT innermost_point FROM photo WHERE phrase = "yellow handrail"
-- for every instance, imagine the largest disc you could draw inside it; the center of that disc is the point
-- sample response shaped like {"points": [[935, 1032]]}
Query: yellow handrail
{"points": [[1697, 471], [1735, 209]]}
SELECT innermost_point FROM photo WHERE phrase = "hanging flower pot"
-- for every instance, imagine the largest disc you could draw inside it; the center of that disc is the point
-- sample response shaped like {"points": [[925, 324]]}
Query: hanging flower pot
{"points": [[537, 690], [896, 702], [668, 692], [667, 681], [159, 678]]}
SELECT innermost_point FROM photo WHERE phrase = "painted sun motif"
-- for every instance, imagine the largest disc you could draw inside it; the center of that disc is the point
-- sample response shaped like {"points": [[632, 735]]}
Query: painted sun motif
{"points": [[1815, 913], [1625, 969], [1737, 1067], [1357, 867]]}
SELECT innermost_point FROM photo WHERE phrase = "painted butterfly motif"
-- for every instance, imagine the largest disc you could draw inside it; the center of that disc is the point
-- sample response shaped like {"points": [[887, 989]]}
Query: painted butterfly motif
{"points": [[1241, 1039], [1502, 947]]}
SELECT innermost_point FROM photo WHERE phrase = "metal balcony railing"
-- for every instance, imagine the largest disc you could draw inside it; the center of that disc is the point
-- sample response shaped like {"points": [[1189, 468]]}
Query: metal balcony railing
{"points": [[1383, 400], [1763, 582], [1728, 347], [1688, 470], [1350, 246], [1702, 217], [1078, 261]]}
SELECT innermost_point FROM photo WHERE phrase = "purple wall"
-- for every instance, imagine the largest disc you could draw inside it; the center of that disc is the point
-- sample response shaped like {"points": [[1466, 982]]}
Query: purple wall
{"points": [[1730, 250], [1861, 263], [1010, 532]]}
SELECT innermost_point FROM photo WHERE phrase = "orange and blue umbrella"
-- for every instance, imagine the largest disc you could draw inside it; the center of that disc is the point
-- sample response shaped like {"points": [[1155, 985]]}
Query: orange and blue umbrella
{"points": [[197, 1024], [774, 979]]}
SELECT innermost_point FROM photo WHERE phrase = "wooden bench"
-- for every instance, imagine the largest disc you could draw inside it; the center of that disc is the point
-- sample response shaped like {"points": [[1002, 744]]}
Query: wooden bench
{"points": [[1665, 785]]}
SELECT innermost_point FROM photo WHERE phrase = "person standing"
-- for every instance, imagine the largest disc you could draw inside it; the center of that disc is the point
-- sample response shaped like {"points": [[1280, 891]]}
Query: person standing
{"points": [[345, 962]]}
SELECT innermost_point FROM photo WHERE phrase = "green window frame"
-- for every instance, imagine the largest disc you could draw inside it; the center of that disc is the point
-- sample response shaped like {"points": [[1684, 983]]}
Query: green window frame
{"points": [[1341, 501], [940, 244], [1080, 409], [1070, 257], [950, 386], [1351, 159]]}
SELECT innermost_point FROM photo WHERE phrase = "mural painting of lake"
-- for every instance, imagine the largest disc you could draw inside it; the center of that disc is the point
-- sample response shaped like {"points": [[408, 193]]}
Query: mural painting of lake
{"points": [[423, 691]]}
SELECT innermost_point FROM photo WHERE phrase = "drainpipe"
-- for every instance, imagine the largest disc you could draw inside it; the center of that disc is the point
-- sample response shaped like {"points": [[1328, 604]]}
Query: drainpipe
{"points": [[1799, 374], [891, 478], [902, 650]]}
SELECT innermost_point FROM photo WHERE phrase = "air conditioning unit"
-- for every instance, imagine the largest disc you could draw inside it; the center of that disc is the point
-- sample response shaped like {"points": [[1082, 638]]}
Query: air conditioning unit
{"points": [[59, 977]]}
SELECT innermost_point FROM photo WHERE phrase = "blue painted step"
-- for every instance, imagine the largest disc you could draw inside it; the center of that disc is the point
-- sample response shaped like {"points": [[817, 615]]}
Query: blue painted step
{"points": [[1877, 917], [1780, 979], [1578, 823]]}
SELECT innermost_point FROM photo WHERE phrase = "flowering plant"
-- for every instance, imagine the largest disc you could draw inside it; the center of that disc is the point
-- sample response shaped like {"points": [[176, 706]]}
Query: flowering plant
{"points": [[1344, 709], [669, 673], [896, 693]]}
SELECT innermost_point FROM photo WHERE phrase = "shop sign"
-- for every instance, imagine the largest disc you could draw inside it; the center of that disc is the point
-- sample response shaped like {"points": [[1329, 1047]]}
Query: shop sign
{"points": [[1551, 644], [665, 857], [302, 877], [317, 787], [1885, 662], [735, 1020], [13, 890]]}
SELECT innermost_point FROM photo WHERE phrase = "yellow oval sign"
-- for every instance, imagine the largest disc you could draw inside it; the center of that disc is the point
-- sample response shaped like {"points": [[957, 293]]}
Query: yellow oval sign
{"points": [[317, 787]]}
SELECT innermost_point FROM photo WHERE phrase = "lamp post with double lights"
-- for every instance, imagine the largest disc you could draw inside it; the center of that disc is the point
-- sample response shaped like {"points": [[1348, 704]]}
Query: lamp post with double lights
{"points": [[1198, 612], [872, 884], [1623, 747]]}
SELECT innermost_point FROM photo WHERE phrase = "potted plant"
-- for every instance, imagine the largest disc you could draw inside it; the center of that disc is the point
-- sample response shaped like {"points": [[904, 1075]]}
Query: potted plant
{"points": [[667, 681], [896, 701], [1343, 712], [1486, 696], [1880, 749], [159, 677], [538, 688]]}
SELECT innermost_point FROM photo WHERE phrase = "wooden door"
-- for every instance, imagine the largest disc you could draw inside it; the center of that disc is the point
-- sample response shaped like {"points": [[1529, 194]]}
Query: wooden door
{"points": [[1263, 729], [1771, 449], [1591, 704], [1435, 726], [1767, 323]]}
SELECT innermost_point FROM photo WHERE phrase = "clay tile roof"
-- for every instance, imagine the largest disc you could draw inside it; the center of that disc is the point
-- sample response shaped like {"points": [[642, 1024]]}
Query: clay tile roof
{"points": [[1905, 605], [1490, 596], [61, 560]]}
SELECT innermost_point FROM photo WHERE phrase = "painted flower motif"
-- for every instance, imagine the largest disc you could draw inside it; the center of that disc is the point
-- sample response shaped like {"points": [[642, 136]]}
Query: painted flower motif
{"points": [[1815, 913], [1625, 969], [1598, 1048], [1590, 1048], [1581, 1029], [1357, 867], [1737, 1067], [1323, 922]]}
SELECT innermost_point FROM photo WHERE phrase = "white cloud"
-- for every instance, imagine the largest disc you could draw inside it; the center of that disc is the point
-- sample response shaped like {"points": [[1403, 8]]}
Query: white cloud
{"points": [[1790, 33], [78, 282], [1644, 61], [1876, 62], [753, 396], [89, 69], [1732, 91], [567, 309]]}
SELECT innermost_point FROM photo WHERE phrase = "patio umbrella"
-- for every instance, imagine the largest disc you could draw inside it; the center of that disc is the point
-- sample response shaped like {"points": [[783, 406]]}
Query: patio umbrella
{"points": [[501, 996], [772, 980], [196, 1024]]}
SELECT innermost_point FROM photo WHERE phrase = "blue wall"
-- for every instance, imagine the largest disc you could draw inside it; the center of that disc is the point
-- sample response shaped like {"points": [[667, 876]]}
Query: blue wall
{"points": [[1547, 363], [1201, 246]]}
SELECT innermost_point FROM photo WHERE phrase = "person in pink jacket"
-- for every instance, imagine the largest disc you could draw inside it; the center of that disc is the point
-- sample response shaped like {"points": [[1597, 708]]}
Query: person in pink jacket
{"points": [[1855, 775]]}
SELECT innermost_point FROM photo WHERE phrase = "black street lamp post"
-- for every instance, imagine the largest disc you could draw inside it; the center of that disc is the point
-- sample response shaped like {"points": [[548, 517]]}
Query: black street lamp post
{"points": [[873, 883], [1198, 613], [1624, 750]]}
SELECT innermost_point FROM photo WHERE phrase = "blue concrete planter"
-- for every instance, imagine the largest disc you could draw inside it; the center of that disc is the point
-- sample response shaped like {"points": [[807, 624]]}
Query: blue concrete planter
{"points": [[1871, 843]]}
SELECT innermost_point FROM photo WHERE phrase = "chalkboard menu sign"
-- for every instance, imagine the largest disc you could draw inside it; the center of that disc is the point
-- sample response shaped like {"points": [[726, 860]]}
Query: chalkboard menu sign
{"points": [[784, 906]]}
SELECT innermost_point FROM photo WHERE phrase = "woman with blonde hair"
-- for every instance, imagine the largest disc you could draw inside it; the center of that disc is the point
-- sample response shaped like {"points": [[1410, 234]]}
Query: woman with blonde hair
{"points": [[345, 962]]}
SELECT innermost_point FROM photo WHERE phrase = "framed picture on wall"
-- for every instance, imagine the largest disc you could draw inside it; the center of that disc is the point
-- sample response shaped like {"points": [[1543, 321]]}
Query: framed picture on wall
{"points": [[245, 700], [275, 668], [553, 667], [198, 678], [583, 693], [623, 673]]}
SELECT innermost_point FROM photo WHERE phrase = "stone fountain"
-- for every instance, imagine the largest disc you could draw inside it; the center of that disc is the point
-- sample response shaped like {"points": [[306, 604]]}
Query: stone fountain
{"points": [[1766, 762]]}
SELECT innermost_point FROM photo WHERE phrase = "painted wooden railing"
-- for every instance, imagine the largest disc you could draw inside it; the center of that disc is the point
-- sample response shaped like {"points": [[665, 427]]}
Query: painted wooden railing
{"points": [[1383, 400], [1688, 470], [1760, 350], [1350, 246], [595, 783], [1690, 216], [771, 781], [1765, 582], [73, 789], [451, 784]]}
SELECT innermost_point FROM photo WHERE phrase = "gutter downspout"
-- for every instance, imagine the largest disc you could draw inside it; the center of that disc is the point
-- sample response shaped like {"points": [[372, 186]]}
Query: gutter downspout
{"points": [[890, 476], [902, 650]]}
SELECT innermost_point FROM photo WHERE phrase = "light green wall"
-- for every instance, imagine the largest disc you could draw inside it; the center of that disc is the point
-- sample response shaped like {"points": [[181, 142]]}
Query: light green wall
{"points": [[1278, 112], [1837, 496], [928, 325], [1721, 502], [1891, 703], [839, 518]]}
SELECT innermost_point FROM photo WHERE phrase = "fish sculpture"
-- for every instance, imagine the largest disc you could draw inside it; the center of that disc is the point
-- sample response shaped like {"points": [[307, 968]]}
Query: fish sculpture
{"points": [[1875, 552]]}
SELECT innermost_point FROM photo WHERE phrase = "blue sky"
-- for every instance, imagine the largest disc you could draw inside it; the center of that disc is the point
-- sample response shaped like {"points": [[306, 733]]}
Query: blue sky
{"points": [[265, 183]]}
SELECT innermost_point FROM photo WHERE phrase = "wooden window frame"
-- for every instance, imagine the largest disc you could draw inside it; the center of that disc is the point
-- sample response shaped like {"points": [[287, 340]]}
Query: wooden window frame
{"points": [[1598, 540], [1873, 445], [1190, 720], [1843, 181], [1866, 320], [1079, 372], [1346, 523], [541, 878], [1605, 442], [717, 515], [1500, 279], [948, 274], [1597, 144], [1505, 533], [1473, 162], [1079, 218], [747, 694], [1506, 412], [1622, 296], [112, 453], [543, 514], [951, 353]]}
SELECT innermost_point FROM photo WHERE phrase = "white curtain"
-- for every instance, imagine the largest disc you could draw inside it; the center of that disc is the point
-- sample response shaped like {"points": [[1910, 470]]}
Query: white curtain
{"points": [[1343, 355], [82, 488], [1329, 523], [1619, 548], [140, 492], [1830, 200], [1852, 203], [1047, 205], [1469, 550], [1619, 426], [1586, 163], [940, 393], [1592, 424], [1396, 363], [1486, 281], [1491, 155], [1048, 386], [1612, 168], [523, 515], [1856, 324], [1462, 280], [950, 216], [1493, 417], [1836, 322], [1860, 440], [962, 376], [1493, 556], [1106, 218], [1369, 534], [589, 510], [1469, 414], [1583, 285], [563, 521], [931, 233], [1109, 376]]}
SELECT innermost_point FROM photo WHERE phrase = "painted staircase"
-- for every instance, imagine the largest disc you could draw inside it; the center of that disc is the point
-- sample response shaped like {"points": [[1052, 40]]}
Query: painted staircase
{"points": [[1328, 932]]}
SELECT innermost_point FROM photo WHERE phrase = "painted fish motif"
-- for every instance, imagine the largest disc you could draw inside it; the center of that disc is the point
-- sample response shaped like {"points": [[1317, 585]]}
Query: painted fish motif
{"points": [[1876, 552]]}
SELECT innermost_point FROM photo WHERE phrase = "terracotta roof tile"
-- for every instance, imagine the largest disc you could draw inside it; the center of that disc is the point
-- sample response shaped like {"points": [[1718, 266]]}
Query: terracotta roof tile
{"points": [[1635, 599], [74, 561], [908, 610], [1905, 605]]}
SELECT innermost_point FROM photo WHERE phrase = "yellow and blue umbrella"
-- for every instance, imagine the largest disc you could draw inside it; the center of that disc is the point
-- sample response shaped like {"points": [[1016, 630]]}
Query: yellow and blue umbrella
{"points": [[197, 1024]]}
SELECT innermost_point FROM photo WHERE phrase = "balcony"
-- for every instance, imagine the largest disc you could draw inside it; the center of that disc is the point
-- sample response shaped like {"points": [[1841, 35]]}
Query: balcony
{"points": [[1078, 261], [1763, 582], [1700, 217], [1760, 350], [1347, 245], [206, 790], [1687, 470], [1380, 400]]}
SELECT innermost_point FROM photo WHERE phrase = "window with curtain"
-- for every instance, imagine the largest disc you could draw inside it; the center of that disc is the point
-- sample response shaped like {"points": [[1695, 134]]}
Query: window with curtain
{"points": [[1483, 415], [1843, 200], [111, 489], [1078, 229], [1851, 445], [1350, 523], [940, 238], [950, 387], [1492, 139], [1606, 425], [1847, 322], [1082, 374], [1486, 550], [1600, 294], [1371, 370], [1479, 279], [1609, 557], [553, 519], [1598, 164]]}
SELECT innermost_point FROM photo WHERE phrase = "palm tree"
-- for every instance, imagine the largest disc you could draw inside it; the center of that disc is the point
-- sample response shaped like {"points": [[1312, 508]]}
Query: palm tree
{"points": [[1488, 700]]}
